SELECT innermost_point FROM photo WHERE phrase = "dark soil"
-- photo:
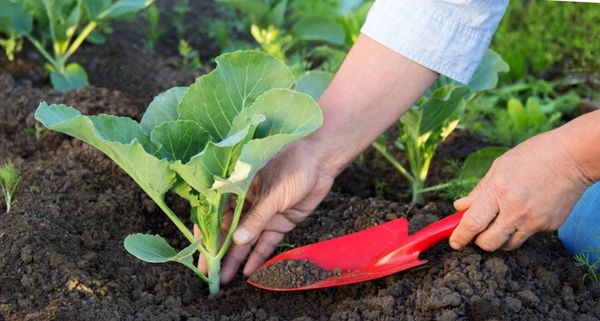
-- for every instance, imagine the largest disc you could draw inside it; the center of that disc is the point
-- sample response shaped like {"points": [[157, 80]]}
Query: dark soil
{"points": [[62, 255], [288, 274]]}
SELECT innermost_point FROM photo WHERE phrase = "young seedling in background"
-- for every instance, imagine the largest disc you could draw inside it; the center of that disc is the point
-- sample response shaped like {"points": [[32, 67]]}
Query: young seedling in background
{"points": [[64, 26], [593, 268], [473, 169], [154, 30], [435, 116], [9, 181], [205, 143], [190, 57]]}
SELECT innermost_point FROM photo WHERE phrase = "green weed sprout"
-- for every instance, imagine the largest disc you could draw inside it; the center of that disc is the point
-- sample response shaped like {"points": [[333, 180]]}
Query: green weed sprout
{"points": [[593, 273], [9, 181]]}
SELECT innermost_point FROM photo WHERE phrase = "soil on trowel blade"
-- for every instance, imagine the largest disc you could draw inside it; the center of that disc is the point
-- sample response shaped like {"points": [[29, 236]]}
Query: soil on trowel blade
{"points": [[289, 274]]}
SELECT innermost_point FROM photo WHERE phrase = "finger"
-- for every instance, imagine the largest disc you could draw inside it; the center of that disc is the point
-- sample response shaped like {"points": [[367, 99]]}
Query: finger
{"points": [[254, 222], [462, 204], [474, 221], [262, 251], [516, 240], [496, 235], [234, 258]]}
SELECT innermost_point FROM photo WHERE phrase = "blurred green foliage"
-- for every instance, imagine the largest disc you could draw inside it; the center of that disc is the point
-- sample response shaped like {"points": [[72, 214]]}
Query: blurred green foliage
{"points": [[538, 36]]}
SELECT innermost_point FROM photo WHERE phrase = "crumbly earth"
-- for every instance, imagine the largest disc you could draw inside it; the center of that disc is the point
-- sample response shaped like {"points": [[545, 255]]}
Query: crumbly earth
{"points": [[288, 274], [62, 255]]}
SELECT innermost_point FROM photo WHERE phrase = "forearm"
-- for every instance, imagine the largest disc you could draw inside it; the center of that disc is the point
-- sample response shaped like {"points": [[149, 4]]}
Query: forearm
{"points": [[581, 138], [370, 92]]}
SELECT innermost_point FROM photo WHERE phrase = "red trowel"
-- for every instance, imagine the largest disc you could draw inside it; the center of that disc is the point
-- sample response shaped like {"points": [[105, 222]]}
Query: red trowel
{"points": [[368, 254]]}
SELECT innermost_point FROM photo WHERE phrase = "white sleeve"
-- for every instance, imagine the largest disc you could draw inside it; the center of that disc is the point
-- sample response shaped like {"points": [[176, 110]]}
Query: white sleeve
{"points": [[447, 36]]}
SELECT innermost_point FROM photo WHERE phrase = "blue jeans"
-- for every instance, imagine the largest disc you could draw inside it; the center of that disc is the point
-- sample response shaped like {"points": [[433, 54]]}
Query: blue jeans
{"points": [[581, 231]]}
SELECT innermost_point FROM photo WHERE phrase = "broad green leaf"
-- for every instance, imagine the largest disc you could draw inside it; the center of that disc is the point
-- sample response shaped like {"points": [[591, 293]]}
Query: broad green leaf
{"points": [[347, 6], [320, 28], [255, 9], [314, 83], [516, 111], [535, 115], [217, 159], [214, 100], [119, 138], [436, 111], [95, 7], [73, 78], [155, 249], [478, 163], [162, 108], [179, 139], [124, 7], [289, 116], [15, 18], [486, 74]]}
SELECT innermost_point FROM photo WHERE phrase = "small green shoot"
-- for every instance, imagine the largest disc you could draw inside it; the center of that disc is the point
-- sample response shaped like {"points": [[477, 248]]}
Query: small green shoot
{"points": [[434, 117], [9, 181], [593, 268], [154, 30], [190, 57]]}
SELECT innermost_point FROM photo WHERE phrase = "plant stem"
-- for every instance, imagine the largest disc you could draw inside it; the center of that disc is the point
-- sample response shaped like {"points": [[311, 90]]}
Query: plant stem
{"points": [[234, 224], [214, 275], [417, 191], [42, 51], [80, 39], [175, 219], [390, 158]]}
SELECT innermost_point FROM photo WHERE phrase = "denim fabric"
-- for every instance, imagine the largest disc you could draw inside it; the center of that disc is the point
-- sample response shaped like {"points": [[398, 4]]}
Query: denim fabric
{"points": [[581, 231]]}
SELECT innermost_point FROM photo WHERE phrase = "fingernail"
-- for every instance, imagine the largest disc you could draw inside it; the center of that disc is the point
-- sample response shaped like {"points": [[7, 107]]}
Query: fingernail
{"points": [[241, 236], [454, 245]]}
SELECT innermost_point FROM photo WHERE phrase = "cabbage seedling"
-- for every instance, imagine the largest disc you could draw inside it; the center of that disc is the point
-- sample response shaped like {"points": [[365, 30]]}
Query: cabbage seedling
{"points": [[63, 25], [435, 116], [9, 181], [205, 143]]}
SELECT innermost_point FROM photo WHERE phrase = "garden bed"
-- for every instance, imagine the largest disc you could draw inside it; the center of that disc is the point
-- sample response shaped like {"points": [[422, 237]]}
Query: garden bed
{"points": [[61, 247]]}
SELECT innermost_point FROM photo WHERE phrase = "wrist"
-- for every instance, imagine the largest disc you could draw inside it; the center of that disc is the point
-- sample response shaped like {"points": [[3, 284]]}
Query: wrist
{"points": [[579, 138]]}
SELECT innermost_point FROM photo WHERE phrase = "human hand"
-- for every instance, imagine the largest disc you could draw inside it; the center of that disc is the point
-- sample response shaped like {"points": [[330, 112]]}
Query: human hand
{"points": [[531, 188], [282, 195]]}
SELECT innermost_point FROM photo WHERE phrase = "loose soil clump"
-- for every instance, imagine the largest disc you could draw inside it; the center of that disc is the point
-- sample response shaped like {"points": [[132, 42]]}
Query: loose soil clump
{"points": [[289, 274]]}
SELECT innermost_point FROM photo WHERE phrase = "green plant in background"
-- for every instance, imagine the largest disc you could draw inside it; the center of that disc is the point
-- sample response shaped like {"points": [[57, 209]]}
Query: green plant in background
{"points": [[263, 13], [154, 30], [180, 10], [64, 25], [13, 17], [205, 143], [501, 117], [593, 268], [9, 181], [435, 116], [190, 57], [472, 170], [535, 36]]}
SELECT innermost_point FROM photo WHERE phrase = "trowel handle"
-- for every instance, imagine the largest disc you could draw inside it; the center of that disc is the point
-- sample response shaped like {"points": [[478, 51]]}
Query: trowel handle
{"points": [[407, 252], [432, 234]]}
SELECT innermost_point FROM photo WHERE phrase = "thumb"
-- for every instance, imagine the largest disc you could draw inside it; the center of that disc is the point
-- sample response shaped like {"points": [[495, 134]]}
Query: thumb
{"points": [[254, 221]]}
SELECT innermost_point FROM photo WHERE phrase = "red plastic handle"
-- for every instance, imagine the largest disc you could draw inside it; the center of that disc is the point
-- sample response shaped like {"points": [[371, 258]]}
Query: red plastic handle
{"points": [[420, 241]]}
